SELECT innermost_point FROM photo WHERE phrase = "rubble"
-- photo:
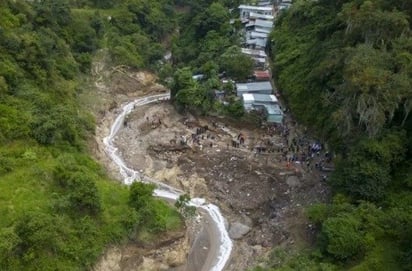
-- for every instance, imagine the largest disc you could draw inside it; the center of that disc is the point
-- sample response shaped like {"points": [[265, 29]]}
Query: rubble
{"points": [[262, 192], [279, 189]]}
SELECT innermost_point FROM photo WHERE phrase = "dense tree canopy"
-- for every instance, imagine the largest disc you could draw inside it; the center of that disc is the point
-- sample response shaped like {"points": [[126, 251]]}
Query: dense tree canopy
{"points": [[344, 68], [58, 209]]}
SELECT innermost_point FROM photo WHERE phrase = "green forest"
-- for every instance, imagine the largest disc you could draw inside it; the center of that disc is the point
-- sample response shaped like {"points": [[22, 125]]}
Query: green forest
{"points": [[58, 208], [345, 70]]}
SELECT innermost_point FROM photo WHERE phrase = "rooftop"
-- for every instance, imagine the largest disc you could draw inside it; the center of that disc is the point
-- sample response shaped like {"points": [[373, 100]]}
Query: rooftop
{"points": [[257, 42], [261, 74], [263, 23], [261, 16], [273, 109], [262, 29], [258, 8], [259, 59], [252, 52], [262, 98], [254, 34], [266, 85]]}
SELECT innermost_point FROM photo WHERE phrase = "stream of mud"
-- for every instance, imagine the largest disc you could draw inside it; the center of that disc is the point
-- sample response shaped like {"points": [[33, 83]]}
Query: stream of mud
{"points": [[221, 245]]}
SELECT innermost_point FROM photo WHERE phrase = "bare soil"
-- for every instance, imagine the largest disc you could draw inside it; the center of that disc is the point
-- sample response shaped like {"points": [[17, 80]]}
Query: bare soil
{"points": [[258, 189]]}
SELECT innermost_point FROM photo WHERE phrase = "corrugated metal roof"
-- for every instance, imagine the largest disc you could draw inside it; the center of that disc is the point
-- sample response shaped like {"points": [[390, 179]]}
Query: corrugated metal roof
{"points": [[254, 86], [261, 16], [261, 74], [255, 34], [275, 119], [252, 52], [248, 97], [262, 30], [263, 23], [251, 41], [259, 59], [258, 8], [258, 42], [259, 98], [264, 3], [261, 43], [273, 111]]}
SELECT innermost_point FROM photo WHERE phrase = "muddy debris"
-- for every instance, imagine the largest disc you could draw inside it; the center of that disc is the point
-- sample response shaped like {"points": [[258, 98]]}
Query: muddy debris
{"points": [[262, 178], [245, 171]]}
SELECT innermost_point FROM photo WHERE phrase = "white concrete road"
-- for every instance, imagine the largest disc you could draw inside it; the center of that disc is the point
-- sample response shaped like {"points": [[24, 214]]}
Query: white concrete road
{"points": [[212, 247]]}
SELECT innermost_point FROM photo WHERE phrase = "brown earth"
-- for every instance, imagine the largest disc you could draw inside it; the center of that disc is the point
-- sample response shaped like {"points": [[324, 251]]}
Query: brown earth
{"points": [[259, 190]]}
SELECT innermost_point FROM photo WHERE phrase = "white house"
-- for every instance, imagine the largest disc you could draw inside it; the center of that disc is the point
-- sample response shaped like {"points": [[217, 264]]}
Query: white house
{"points": [[246, 10]]}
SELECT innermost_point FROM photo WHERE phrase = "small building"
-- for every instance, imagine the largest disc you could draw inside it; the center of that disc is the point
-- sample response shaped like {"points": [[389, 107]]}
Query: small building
{"points": [[254, 53], [254, 15], [245, 11], [264, 87], [257, 35], [261, 75], [268, 25], [263, 102], [256, 43], [285, 5], [264, 24], [260, 62], [274, 114], [264, 3], [256, 40], [253, 98], [263, 30]]}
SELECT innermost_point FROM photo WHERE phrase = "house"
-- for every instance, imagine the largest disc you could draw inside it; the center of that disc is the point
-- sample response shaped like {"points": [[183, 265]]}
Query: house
{"points": [[263, 102], [263, 30], [258, 43], [264, 3], [285, 4], [250, 98], [245, 11], [261, 75], [259, 56], [254, 53], [264, 24], [256, 40], [264, 87], [260, 62], [254, 16], [274, 114], [259, 23]]}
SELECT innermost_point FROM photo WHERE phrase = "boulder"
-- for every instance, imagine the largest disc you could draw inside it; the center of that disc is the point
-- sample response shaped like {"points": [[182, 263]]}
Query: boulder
{"points": [[238, 230], [292, 181]]}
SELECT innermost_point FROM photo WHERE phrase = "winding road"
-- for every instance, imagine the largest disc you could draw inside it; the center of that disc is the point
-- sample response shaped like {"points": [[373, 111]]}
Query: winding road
{"points": [[220, 245]]}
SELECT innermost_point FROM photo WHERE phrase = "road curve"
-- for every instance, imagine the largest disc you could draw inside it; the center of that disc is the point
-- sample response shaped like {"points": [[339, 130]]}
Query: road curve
{"points": [[220, 243]]}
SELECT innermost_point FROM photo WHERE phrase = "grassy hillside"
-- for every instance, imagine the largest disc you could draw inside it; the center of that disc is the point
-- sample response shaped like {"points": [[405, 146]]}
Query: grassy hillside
{"points": [[58, 209]]}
